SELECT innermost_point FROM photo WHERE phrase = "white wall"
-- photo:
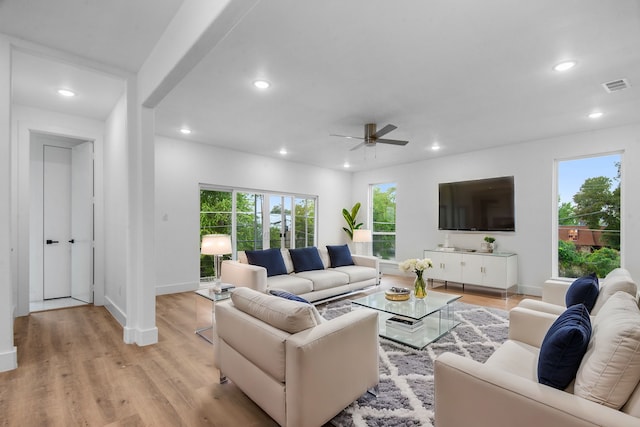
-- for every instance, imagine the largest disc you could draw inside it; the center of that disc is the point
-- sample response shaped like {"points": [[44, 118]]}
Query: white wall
{"points": [[532, 165], [180, 168], [115, 211]]}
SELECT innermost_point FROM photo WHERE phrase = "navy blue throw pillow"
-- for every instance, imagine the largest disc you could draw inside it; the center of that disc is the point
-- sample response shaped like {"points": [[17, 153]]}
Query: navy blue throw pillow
{"points": [[287, 295], [306, 259], [271, 259], [339, 255], [564, 346], [583, 290]]}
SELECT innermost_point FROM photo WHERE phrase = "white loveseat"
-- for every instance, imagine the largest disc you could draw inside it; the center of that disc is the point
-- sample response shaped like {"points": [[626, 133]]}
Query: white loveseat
{"points": [[314, 286], [504, 391], [300, 369]]}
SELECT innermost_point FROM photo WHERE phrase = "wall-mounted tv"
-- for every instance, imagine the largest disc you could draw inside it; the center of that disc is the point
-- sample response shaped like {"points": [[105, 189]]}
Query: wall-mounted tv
{"points": [[478, 205]]}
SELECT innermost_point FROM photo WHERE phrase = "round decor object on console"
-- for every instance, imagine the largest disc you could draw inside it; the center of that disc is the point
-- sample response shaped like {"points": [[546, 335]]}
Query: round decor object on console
{"points": [[397, 294]]}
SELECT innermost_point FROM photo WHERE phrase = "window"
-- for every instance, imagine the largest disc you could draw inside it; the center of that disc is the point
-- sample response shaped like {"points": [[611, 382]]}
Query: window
{"points": [[215, 218], [255, 220], [588, 216], [383, 223]]}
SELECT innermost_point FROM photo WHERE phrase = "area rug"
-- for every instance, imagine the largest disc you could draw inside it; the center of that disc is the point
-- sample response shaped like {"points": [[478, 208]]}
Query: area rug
{"points": [[405, 395]]}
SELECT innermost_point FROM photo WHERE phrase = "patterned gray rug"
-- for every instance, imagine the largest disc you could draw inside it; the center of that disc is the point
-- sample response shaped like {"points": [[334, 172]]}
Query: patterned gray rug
{"points": [[405, 395]]}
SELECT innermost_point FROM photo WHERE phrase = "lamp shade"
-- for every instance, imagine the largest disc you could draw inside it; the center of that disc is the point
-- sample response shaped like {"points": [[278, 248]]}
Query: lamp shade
{"points": [[216, 244], [362, 236]]}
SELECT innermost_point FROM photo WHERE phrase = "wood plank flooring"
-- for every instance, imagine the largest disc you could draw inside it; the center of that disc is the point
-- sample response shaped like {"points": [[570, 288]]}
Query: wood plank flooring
{"points": [[75, 370]]}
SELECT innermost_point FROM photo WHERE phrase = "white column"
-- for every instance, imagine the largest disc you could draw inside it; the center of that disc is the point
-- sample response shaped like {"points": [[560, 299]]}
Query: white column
{"points": [[8, 353]]}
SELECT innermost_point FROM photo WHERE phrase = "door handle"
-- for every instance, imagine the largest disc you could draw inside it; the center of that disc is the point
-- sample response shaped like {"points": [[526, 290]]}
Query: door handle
{"points": [[50, 242], [72, 241]]}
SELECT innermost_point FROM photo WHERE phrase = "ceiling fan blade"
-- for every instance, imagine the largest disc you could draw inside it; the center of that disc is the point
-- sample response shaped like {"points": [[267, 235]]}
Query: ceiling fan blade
{"points": [[385, 130], [362, 144], [392, 141], [346, 136]]}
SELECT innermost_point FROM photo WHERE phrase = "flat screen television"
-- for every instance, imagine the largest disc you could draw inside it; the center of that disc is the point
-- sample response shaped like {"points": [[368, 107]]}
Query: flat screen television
{"points": [[478, 205]]}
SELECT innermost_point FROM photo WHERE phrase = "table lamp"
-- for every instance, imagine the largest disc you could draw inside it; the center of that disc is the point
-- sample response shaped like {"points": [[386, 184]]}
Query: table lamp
{"points": [[216, 245], [361, 236]]}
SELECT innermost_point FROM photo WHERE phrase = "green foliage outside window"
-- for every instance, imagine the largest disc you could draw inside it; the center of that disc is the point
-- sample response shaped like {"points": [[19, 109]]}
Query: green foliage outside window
{"points": [[597, 206], [384, 221]]}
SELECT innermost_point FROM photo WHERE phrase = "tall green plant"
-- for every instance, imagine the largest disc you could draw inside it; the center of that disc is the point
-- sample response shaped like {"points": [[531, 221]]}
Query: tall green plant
{"points": [[350, 217]]}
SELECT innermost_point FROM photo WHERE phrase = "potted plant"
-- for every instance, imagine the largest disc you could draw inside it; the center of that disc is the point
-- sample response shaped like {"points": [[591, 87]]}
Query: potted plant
{"points": [[489, 244], [350, 217]]}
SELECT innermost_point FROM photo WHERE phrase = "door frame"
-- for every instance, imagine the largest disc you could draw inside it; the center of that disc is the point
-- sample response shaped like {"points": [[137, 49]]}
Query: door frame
{"points": [[21, 151]]}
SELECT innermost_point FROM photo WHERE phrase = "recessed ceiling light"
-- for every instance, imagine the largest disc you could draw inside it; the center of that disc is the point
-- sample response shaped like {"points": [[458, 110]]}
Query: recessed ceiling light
{"points": [[185, 131], [595, 115], [346, 165], [66, 92], [261, 84], [565, 65], [283, 151]]}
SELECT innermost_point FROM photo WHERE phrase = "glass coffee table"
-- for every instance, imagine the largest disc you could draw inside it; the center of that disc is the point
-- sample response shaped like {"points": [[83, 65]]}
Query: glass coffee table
{"points": [[415, 322]]}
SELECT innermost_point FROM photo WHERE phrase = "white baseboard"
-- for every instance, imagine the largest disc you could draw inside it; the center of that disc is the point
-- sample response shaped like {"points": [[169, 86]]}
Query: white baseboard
{"points": [[535, 291], [140, 337], [115, 311], [175, 288], [9, 360]]}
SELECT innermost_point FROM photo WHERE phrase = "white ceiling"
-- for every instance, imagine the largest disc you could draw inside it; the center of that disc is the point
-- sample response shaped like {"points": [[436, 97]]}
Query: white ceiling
{"points": [[468, 74]]}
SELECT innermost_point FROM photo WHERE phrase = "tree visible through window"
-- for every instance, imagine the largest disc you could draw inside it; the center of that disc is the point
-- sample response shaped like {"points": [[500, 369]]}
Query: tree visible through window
{"points": [[383, 198], [589, 216]]}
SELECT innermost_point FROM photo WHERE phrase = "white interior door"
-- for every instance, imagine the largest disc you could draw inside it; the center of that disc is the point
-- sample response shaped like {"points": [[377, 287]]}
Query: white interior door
{"points": [[82, 222], [56, 222]]}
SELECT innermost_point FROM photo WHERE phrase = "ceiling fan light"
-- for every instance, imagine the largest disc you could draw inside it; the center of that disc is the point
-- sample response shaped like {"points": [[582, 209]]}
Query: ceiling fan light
{"points": [[595, 115], [283, 151], [346, 165], [435, 146], [185, 131]]}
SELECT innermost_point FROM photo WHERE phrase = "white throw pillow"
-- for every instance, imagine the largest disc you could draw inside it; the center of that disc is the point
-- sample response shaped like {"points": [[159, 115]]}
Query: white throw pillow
{"points": [[287, 315], [617, 280], [610, 369]]}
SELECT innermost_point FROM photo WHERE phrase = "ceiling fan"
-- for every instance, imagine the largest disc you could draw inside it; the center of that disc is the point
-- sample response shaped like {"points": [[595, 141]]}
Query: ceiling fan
{"points": [[372, 137]]}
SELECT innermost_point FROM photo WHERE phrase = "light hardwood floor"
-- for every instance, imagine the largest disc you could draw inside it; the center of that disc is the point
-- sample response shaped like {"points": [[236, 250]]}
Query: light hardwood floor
{"points": [[74, 370]]}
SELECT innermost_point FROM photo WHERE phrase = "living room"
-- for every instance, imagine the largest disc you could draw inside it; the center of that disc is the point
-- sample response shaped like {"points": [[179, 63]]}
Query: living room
{"points": [[147, 216]]}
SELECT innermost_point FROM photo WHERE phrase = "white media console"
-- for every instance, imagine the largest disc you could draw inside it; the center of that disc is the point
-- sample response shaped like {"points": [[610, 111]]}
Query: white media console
{"points": [[498, 270]]}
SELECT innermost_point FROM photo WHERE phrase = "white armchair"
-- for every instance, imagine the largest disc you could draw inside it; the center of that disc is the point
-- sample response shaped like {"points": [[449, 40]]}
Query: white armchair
{"points": [[504, 391], [300, 369]]}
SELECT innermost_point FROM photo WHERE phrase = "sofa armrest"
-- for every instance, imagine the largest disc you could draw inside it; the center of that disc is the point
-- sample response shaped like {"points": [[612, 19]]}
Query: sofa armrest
{"points": [[554, 291], [329, 366], [366, 261], [468, 393], [546, 307], [245, 275], [529, 326]]}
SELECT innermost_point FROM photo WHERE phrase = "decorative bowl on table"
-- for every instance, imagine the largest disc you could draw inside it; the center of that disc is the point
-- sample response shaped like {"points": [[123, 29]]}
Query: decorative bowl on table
{"points": [[397, 294]]}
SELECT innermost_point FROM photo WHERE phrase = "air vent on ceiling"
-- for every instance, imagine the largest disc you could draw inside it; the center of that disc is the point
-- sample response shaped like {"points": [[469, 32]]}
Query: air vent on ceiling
{"points": [[616, 85]]}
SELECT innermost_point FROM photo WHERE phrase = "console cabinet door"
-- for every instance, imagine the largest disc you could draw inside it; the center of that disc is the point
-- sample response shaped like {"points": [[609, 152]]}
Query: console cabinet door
{"points": [[472, 269], [447, 266], [494, 272]]}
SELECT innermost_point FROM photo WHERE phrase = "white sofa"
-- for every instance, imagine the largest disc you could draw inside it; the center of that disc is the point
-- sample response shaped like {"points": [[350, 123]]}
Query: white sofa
{"points": [[300, 369], [504, 391], [313, 286]]}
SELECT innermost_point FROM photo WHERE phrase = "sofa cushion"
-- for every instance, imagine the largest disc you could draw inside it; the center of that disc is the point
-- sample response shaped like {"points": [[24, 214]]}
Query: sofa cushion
{"points": [[271, 259], [339, 255], [610, 370], [618, 279], [358, 273], [306, 259], [284, 314], [325, 279], [516, 358], [583, 290], [564, 346], [290, 283]]}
